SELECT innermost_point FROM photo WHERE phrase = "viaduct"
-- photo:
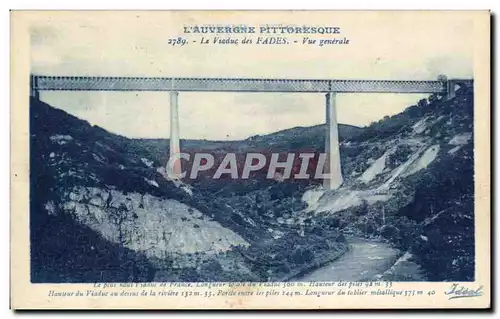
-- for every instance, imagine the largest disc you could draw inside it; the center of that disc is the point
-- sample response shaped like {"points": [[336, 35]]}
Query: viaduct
{"points": [[329, 87]]}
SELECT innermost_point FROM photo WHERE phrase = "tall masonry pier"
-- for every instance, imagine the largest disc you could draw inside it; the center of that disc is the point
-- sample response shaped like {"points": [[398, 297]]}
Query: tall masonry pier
{"points": [[175, 149], [443, 86], [332, 148]]}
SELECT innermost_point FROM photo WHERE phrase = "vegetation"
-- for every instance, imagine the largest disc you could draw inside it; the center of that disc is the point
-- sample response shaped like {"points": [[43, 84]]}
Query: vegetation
{"points": [[430, 213]]}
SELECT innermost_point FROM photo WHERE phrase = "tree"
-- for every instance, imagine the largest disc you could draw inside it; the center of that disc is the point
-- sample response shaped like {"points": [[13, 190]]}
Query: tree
{"points": [[422, 103], [433, 98], [302, 256], [442, 78]]}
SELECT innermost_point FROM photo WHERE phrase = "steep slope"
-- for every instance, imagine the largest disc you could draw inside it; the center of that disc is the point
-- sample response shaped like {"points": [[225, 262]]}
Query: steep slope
{"points": [[409, 178], [105, 192], [110, 194]]}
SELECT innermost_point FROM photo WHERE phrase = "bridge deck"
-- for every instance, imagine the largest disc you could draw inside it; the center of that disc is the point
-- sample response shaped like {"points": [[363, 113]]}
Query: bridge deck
{"points": [[91, 83]]}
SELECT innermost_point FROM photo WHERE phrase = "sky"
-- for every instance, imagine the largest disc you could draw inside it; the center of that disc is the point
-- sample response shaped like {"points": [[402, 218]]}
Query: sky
{"points": [[391, 46]]}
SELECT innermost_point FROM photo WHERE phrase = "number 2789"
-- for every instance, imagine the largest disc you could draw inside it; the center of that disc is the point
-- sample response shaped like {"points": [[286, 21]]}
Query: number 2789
{"points": [[180, 41]]}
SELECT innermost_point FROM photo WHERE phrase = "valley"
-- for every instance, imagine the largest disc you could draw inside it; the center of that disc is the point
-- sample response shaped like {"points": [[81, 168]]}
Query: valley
{"points": [[102, 208]]}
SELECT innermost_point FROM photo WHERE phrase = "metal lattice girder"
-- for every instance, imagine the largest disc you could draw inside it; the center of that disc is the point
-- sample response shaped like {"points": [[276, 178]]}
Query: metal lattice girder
{"points": [[90, 83]]}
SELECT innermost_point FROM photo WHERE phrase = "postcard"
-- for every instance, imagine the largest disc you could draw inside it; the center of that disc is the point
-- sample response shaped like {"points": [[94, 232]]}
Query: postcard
{"points": [[250, 159]]}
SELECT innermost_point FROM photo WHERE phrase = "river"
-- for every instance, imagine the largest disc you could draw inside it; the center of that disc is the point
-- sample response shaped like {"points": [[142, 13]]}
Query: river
{"points": [[362, 262]]}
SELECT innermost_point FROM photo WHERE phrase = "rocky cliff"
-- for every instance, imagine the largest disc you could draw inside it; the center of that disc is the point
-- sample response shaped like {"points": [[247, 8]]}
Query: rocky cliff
{"points": [[97, 182], [410, 178]]}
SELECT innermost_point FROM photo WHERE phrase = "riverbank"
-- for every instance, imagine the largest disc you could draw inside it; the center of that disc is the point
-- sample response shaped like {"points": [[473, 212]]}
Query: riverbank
{"points": [[315, 265], [404, 269], [364, 260]]}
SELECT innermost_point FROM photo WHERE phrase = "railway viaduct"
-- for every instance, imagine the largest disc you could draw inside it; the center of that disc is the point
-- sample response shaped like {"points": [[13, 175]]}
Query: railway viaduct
{"points": [[329, 87]]}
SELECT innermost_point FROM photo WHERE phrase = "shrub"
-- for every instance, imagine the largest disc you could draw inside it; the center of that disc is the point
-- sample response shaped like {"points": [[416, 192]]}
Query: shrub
{"points": [[389, 232], [301, 256], [189, 275], [341, 239]]}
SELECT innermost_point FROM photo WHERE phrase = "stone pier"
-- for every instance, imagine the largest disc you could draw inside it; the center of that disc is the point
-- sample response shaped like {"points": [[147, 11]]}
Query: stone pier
{"points": [[332, 148], [174, 134]]}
